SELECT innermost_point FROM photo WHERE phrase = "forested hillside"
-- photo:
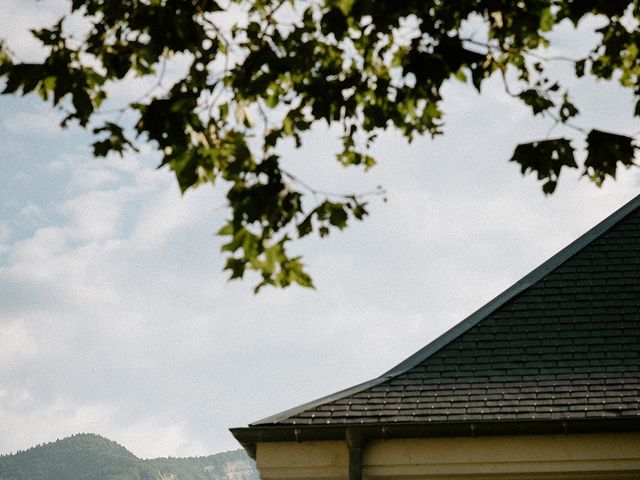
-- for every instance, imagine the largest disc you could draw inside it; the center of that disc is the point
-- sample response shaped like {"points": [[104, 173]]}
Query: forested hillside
{"points": [[92, 457]]}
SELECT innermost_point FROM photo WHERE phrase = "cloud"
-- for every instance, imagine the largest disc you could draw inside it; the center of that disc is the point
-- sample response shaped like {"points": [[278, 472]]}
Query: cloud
{"points": [[43, 123], [16, 344], [20, 16], [95, 215], [151, 439], [34, 214], [145, 437]]}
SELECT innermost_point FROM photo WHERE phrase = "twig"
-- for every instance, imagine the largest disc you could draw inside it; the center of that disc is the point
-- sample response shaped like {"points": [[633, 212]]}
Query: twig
{"points": [[378, 191], [552, 128], [121, 110], [570, 125], [526, 51]]}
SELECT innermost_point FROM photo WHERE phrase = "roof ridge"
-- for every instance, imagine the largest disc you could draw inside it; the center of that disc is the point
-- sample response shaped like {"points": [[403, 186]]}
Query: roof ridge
{"points": [[525, 282], [476, 317]]}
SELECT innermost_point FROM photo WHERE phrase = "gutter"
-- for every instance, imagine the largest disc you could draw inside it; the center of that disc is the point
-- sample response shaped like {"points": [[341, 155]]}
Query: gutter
{"points": [[359, 434]]}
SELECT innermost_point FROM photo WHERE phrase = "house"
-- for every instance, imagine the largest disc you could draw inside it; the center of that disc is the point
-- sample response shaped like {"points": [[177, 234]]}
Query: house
{"points": [[543, 382]]}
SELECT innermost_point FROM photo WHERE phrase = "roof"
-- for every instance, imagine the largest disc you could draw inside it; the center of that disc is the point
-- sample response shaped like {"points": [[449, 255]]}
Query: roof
{"points": [[562, 344]]}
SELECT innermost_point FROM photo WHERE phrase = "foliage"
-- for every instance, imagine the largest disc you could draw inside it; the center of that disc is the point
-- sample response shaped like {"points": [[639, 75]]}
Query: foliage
{"points": [[261, 72], [92, 457]]}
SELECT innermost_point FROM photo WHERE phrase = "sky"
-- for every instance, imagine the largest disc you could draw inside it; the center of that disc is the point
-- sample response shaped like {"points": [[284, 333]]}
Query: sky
{"points": [[116, 317]]}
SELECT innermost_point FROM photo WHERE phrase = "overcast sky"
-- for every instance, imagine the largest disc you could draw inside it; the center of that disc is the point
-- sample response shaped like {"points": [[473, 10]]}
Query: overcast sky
{"points": [[116, 318]]}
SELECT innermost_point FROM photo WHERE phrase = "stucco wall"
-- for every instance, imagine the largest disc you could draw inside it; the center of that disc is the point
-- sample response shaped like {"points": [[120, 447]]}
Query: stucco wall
{"points": [[598, 456], [308, 460]]}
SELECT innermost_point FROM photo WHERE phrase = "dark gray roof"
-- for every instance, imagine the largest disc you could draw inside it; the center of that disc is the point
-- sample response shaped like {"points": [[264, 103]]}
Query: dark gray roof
{"points": [[561, 344]]}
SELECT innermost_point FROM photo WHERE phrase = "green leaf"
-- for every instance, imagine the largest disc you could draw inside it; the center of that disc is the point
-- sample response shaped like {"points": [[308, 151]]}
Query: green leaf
{"points": [[605, 152], [228, 229], [305, 227], [22, 76], [116, 140], [224, 110], [546, 158], [337, 215], [237, 267], [547, 20], [345, 6], [359, 211], [538, 102], [334, 21], [567, 109]]}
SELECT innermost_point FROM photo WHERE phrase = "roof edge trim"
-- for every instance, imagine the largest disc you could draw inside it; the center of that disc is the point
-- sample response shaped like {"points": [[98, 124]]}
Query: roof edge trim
{"points": [[315, 403]]}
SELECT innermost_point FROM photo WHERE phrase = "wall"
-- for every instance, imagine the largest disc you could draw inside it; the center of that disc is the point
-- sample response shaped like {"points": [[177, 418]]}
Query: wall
{"points": [[548, 457]]}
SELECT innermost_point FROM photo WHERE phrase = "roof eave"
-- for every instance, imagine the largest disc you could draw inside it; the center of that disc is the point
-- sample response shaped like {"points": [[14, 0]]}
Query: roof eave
{"points": [[249, 437]]}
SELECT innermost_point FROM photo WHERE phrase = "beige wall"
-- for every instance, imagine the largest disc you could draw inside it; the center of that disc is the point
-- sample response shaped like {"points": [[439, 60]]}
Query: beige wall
{"points": [[308, 460], [598, 456]]}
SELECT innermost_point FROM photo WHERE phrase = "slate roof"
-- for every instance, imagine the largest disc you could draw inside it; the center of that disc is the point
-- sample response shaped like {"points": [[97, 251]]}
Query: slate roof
{"points": [[563, 343]]}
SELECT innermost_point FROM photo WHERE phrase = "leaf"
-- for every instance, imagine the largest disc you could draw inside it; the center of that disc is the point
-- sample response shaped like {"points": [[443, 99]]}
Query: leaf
{"points": [[567, 109], [22, 76], [547, 21], [334, 21], [237, 267], [189, 167], [116, 140], [538, 102], [223, 110], [546, 158], [297, 273], [605, 152], [305, 227], [359, 211], [345, 6], [337, 215]]}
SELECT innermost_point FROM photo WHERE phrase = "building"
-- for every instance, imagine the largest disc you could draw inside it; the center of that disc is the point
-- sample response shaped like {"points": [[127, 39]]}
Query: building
{"points": [[543, 382]]}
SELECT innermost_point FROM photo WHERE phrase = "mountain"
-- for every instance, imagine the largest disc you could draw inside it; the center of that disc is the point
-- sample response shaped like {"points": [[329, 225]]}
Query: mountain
{"points": [[87, 456]]}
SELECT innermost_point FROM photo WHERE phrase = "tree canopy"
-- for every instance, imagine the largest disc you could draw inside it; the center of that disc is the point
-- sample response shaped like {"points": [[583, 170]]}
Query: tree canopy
{"points": [[261, 72]]}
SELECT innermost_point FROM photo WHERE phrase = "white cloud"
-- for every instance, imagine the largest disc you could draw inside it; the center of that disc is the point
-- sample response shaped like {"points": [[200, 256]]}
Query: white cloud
{"points": [[5, 232], [95, 215], [45, 243], [145, 437], [20, 16], [152, 439], [34, 214], [16, 344], [38, 124]]}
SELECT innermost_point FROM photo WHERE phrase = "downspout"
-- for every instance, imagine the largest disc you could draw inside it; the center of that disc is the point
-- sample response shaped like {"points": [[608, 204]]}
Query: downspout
{"points": [[355, 442]]}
